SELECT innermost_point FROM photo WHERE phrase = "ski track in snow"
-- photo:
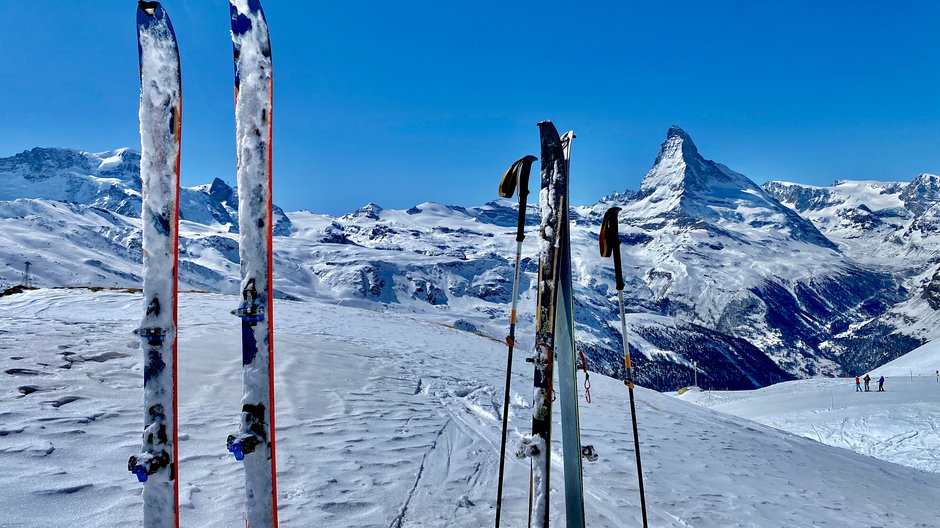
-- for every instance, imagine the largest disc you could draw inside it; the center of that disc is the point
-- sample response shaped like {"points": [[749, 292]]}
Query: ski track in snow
{"points": [[385, 421]]}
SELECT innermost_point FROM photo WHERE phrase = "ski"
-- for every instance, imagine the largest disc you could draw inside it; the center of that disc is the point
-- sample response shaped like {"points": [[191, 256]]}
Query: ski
{"points": [[517, 177], [157, 463], [553, 203], [565, 354], [254, 442]]}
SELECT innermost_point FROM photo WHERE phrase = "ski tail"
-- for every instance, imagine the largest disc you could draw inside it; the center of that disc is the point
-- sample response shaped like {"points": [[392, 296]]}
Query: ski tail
{"points": [[157, 465]]}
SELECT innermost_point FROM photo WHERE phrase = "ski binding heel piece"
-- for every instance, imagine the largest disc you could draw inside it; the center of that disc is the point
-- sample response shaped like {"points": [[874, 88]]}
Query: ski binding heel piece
{"points": [[589, 453], [146, 464], [153, 336], [242, 445]]}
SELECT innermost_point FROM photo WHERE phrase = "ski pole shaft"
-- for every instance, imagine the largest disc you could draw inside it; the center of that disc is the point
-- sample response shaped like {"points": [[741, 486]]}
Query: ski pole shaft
{"points": [[639, 466], [511, 342], [629, 381], [609, 240], [623, 334]]}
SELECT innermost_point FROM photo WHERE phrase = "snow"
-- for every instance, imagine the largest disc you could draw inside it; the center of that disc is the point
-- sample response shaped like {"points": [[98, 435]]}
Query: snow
{"points": [[899, 425], [922, 361], [380, 424]]}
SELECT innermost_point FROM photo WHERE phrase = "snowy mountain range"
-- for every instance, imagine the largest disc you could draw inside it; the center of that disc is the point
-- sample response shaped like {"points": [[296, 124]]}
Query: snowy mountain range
{"points": [[754, 284]]}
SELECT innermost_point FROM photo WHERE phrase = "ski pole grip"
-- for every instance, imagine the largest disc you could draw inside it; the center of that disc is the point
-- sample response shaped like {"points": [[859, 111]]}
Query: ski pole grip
{"points": [[618, 268], [525, 168], [609, 240], [520, 228]]}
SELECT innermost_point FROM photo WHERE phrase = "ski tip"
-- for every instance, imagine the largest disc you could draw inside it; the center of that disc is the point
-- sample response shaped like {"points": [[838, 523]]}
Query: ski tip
{"points": [[149, 12], [152, 17], [241, 12], [549, 133], [149, 8], [245, 14]]}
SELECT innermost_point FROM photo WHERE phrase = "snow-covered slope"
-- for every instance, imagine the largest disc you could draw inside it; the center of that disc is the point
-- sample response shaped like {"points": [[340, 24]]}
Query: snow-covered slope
{"points": [[922, 361], [383, 420], [900, 425]]}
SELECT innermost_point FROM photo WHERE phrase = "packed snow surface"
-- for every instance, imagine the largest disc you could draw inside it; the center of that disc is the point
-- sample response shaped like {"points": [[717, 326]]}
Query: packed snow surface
{"points": [[386, 421], [900, 425]]}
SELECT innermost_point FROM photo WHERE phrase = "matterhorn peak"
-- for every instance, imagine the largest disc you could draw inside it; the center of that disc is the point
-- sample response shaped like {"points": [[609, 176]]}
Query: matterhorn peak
{"points": [[678, 165], [675, 136]]}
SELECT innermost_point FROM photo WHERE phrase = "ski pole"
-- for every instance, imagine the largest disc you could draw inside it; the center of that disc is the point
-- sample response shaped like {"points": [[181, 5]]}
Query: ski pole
{"points": [[517, 177], [610, 244]]}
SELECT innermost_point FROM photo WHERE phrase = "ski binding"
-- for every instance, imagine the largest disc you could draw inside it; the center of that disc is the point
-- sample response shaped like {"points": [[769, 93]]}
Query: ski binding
{"points": [[589, 453], [153, 336], [145, 464], [250, 309], [252, 435]]}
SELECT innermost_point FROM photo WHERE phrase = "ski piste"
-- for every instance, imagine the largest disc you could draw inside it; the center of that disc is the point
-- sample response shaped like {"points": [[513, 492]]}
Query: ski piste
{"points": [[517, 177], [160, 107], [254, 442], [565, 354], [553, 203]]}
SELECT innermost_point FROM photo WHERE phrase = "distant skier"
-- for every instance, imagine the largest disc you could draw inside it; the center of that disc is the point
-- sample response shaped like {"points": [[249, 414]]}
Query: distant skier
{"points": [[858, 385], [881, 384], [867, 379]]}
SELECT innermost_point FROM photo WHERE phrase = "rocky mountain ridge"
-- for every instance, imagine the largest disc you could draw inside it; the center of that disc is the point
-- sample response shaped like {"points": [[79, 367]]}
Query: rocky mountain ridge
{"points": [[747, 284]]}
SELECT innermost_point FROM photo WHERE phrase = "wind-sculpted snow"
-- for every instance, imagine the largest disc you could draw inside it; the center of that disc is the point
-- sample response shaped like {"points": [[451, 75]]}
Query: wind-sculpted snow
{"points": [[385, 420]]}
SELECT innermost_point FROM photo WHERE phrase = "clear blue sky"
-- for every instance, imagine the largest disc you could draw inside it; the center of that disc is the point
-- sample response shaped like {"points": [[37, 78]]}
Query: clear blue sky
{"points": [[403, 102]]}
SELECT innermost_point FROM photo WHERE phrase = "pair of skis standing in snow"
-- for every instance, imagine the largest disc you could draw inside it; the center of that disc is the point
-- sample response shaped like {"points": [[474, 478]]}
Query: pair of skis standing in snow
{"points": [[157, 465], [554, 340]]}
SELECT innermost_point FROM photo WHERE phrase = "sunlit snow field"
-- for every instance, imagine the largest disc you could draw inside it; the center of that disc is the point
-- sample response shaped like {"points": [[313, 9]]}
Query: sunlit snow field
{"points": [[901, 424], [388, 421]]}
